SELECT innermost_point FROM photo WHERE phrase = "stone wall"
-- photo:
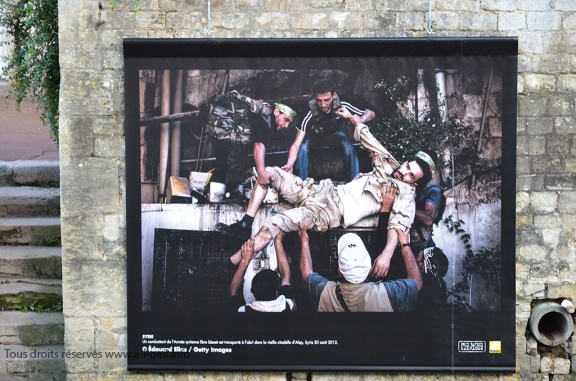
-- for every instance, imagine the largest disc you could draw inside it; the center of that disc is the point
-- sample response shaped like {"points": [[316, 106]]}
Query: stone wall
{"points": [[92, 146]]}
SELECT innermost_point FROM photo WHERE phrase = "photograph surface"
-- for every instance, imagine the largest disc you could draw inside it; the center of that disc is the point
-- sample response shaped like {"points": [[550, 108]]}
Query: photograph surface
{"points": [[321, 204]]}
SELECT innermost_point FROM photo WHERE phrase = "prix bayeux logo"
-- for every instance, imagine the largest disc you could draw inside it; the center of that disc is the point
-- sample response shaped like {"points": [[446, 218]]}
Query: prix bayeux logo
{"points": [[478, 346]]}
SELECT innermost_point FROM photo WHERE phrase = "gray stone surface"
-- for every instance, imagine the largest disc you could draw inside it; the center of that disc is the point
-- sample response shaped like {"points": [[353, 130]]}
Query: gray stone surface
{"points": [[92, 141], [31, 261], [29, 201]]}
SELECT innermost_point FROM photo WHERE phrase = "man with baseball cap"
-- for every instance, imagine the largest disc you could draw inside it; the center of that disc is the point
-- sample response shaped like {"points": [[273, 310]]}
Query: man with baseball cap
{"points": [[428, 203], [355, 293]]}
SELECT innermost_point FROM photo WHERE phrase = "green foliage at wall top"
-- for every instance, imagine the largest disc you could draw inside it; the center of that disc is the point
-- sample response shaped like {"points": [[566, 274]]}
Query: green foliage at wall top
{"points": [[33, 68]]}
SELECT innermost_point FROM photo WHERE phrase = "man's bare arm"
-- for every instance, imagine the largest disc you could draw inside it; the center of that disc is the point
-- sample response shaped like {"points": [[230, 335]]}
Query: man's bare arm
{"points": [[426, 216], [305, 257], [412, 269], [247, 253], [293, 152], [282, 259], [259, 159]]}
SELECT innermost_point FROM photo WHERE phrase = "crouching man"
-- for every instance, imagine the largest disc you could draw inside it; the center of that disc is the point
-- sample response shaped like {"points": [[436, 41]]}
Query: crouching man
{"points": [[356, 293], [271, 294]]}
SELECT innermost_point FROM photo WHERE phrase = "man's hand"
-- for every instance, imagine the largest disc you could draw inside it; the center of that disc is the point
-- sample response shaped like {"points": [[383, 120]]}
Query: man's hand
{"points": [[279, 237], [303, 233], [388, 196], [264, 178], [288, 168], [380, 267], [344, 113], [247, 251], [402, 236]]}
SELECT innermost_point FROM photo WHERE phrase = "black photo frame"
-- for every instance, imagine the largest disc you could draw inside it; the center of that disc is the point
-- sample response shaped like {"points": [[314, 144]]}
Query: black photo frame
{"points": [[173, 323]]}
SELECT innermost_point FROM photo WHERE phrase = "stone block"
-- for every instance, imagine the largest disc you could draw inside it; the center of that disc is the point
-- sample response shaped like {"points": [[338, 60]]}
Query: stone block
{"points": [[544, 202], [551, 237], [554, 365], [531, 145], [524, 183], [346, 20], [522, 202], [532, 346], [565, 5], [76, 137], [109, 146], [407, 6], [111, 343], [454, 5], [359, 6], [531, 42], [539, 126], [79, 337], [529, 236], [284, 5], [565, 125], [83, 241], [179, 20], [411, 20], [522, 164], [310, 21], [533, 288], [520, 343], [498, 5], [237, 21], [558, 146], [523, 221], [561, 290], [511, 21], [94, 288], [523, 363], [478, 21], [380, 22], [571, 164], [80, 195], [559, 182], [561, 105], [556, 63], [445, 21], [538, 183], [547, 220], [532, 253], [546, 165], [329, 4], [532, 105], [567, 202], [533, 5], [150, 20], [535, 362], [544, 21], [91, 93], [539, 83], [247, 5], [567, 82]]}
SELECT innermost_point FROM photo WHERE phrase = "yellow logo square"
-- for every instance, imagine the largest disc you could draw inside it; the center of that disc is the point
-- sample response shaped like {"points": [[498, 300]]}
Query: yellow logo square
{"points": [[495, 347]]}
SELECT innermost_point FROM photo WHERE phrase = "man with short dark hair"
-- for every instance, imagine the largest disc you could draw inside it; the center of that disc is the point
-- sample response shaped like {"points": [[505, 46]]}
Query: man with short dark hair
{"points": [[270, 293], [322, 126]]}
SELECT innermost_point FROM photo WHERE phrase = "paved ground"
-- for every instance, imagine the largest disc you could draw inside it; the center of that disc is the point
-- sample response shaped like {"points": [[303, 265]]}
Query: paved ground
{"points": [[22, 134]]}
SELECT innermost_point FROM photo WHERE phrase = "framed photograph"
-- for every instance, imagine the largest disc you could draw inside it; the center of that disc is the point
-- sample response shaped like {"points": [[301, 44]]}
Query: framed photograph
{"points": [[321, 204]]}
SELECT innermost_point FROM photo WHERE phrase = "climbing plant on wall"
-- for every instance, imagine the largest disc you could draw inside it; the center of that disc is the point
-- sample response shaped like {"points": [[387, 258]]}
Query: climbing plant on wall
{"points": [[33, 68]]}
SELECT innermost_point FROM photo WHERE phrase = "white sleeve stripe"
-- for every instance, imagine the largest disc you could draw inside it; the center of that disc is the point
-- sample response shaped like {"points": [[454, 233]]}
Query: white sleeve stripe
{"points": [[352, 109], [305, 121]]}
